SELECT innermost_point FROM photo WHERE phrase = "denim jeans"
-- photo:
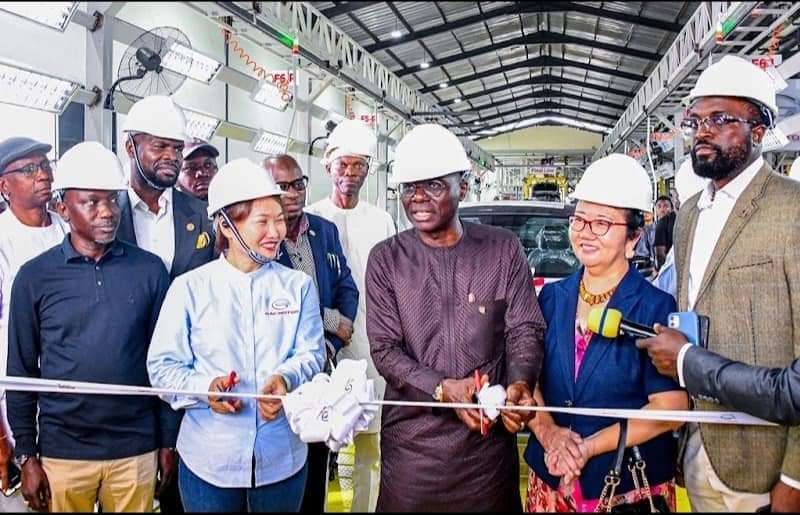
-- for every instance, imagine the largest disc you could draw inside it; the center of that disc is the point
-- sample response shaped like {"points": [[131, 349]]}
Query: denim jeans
{"points": [[200, 496]]}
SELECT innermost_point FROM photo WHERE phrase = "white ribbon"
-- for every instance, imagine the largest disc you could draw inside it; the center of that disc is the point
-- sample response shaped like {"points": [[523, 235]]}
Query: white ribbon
{"points": [[333, 409]]}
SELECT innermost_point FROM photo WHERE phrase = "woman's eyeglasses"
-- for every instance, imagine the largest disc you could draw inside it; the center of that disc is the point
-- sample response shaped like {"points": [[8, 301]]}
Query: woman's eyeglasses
{"points": [[597, 227]]}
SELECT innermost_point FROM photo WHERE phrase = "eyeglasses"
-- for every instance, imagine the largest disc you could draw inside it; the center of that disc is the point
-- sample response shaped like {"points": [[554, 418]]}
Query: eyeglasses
{"points": [[30, 170], [209, 167], [298, 185], [716, 121], [360, 167], [434, 188], [597, 227]]}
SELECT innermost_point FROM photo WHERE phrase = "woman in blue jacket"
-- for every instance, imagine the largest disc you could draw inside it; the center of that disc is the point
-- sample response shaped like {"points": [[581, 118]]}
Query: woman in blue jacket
{"points": [[569, 455]]}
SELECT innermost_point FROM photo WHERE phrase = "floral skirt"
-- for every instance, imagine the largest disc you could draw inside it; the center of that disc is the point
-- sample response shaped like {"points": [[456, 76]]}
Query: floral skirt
{"points": [[568, 498]]}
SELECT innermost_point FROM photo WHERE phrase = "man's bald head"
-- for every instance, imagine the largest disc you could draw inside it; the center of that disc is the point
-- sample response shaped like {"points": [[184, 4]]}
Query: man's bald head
{"points": [[283, 162], [289, 176]]}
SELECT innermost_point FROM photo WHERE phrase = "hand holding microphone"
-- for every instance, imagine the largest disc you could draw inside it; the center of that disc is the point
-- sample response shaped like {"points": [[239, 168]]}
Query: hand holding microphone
{"points": [[609, 323], [664, 349], [662, 344]]}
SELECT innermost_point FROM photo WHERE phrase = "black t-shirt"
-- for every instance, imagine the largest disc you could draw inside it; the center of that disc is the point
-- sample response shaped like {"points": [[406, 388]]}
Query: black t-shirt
{"points": [[664, 228]]}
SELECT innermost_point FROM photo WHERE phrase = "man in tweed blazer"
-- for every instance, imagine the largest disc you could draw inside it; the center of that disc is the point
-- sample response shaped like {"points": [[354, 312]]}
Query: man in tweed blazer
{"points": [[737, 252]]}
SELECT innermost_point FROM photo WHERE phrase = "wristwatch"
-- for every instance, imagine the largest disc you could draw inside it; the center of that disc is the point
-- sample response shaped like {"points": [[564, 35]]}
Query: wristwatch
{"points": [[22, 459], [438, 393]]}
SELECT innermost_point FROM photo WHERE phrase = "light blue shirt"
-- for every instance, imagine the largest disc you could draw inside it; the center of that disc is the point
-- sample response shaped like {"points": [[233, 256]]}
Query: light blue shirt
{"points": [[216, 319], [667, 279]]}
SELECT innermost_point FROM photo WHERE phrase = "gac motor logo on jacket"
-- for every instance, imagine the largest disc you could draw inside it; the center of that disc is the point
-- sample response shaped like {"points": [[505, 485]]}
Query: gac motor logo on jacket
{"points": [[281, 307]]}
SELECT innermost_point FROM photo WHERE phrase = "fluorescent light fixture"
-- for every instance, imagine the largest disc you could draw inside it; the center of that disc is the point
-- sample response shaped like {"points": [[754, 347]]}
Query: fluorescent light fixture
{"points": [[424, 65], [396, 34], [270, 143], [201, 126], [442, 85], [557, 119], [55, 15], [270, 95], [191, 63], [25, 88]]}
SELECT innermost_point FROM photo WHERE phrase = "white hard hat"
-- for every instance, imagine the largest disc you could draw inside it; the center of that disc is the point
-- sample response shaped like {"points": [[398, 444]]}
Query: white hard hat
{"points": [[159, 116], [688, 183], [350, 138], [238, 181], [616, 180], [733, 76], [794, 171], [428, 151], [89, 166]]}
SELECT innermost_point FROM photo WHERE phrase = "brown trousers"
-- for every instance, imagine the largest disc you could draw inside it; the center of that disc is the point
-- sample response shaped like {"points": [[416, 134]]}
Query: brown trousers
{"points": [[123, 485]]}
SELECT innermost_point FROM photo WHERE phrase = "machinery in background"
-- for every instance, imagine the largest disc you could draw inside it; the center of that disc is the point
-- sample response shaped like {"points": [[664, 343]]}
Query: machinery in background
{"points": [[546, 188]]}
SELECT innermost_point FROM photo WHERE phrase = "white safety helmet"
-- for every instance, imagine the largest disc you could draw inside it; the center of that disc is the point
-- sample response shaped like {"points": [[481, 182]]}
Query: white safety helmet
{"points": [[350, 138], [794, 171], [688, 183], [733, 76], [428, 151], [89, 166], [159, 116], [616, 180], [238, 181]]}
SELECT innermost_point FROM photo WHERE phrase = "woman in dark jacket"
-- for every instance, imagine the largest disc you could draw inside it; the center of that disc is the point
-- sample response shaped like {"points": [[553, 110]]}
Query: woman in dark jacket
{"points": [[570, 455]]}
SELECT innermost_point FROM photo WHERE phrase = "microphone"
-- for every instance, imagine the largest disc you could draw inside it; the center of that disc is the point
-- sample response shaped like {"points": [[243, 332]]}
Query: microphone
{"points": [[609, 323]]}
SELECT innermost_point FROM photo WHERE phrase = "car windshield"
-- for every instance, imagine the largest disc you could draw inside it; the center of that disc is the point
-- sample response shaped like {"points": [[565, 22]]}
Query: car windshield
{"points": [[544, 238]]}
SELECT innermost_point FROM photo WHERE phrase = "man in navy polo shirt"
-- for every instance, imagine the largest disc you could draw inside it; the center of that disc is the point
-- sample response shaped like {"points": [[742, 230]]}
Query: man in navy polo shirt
{"points": [[85, 311]]}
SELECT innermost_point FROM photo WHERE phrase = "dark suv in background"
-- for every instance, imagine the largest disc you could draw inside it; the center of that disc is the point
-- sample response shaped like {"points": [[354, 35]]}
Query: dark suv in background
{"points": [[542, 227]]}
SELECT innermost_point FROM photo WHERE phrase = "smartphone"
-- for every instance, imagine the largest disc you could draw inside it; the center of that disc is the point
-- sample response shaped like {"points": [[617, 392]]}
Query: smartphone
{"points": [[14, 479], [693, 326]]}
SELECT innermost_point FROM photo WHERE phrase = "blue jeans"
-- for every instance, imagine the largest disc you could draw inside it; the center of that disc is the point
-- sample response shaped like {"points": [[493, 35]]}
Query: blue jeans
{"points": [[200, 496]]}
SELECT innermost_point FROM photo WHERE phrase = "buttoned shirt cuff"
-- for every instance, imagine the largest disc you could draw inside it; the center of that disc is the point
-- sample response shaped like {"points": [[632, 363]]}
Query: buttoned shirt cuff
{"points": [[201, 383], [681, 354], [790, 482], [331, 319]]}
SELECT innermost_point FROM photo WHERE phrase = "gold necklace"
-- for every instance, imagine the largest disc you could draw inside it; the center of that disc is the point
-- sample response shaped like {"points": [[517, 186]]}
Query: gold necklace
{"points": [[594, 299]]}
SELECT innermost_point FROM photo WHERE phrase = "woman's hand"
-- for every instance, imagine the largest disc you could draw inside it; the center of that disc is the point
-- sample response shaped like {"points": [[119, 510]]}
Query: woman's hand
{"points": [[270, 408], [568, 461], [227, 405], [563, 449]]}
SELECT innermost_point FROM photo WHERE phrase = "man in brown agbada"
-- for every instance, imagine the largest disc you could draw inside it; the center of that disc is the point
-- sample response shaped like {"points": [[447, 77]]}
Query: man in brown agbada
{"points": [[444, 299]]}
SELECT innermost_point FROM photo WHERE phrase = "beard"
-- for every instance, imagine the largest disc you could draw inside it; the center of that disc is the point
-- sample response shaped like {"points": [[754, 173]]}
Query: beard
{"points": [[724, 163]]}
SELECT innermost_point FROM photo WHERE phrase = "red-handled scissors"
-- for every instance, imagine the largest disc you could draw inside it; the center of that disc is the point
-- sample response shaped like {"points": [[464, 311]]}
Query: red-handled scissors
{"points": [[484, 422], [231, 378]]}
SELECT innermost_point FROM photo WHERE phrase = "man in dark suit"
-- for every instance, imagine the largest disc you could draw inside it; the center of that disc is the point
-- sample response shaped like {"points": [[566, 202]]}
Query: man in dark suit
{"points": [[769, 393], [156, 217], [312, 245]]}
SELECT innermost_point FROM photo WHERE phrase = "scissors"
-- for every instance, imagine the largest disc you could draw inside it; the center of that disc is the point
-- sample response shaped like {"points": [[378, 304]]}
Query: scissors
{"points": [[231, 379], [484, 422]]}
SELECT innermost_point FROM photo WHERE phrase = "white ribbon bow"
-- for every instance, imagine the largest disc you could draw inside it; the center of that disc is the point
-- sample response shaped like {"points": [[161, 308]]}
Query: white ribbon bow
{"points": [[329, 408], [489, 397]]}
